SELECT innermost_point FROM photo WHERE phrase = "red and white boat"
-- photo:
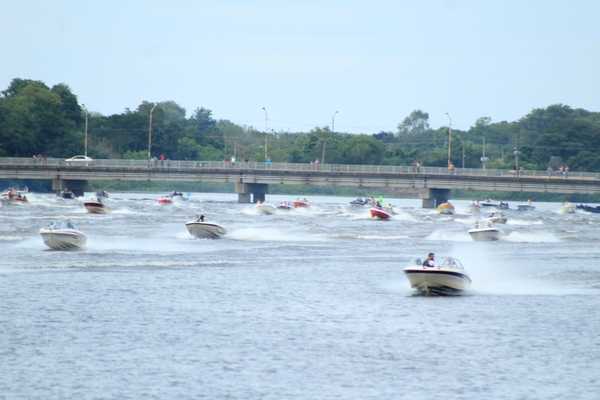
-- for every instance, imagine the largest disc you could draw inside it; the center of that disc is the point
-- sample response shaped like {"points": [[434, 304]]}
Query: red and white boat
{"points": [[95, 207], [164, 200], [379, 213], [13, 196], [301, 203]]}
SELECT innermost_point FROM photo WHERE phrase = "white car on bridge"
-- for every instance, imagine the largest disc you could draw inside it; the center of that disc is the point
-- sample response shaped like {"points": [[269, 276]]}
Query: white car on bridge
{"points": [[79, 160]]}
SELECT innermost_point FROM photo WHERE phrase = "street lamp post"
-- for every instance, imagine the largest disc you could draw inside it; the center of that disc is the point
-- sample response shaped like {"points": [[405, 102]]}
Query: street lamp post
{"points": [[85, 132], [266, 134], [324, 145], [150, 131], [449, 140], [516, 153], [333, 121], [483, 159]]}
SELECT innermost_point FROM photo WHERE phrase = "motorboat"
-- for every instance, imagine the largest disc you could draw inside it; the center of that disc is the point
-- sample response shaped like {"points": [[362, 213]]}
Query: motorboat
{"points": [[177, 196], [359, 202], [448, 278], [63, 236], [380, 213], [301, 203], [13, 196], [490, 203], [446, 208], [475, 207], [265, 208], [204, 230], [66, 194], [587, 208], [484, 231], [285, 205], [525, 207], [165, 200], [496, 218], [568, 208], [95, 206]]}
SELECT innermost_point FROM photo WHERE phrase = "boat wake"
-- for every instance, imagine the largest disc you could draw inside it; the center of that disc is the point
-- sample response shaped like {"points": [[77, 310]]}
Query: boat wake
{"points": [[531, 237]]}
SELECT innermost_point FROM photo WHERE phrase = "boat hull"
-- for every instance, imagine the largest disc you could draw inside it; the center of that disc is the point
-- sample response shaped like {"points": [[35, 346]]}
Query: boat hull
{"points": [[204, 230], [379, 214], [95, 208], [525, 207], [567, 210], [300, 204], [437, 280], [445, 209], [65, 239], [484, 235]]}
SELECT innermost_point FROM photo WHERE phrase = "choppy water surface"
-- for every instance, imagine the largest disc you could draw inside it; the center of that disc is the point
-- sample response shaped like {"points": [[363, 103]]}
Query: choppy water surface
{"points": [[306, 304]]}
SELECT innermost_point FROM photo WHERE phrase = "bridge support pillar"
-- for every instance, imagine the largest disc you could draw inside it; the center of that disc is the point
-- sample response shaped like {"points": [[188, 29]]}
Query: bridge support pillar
{"points": [[78, 187], [58, 184], [434, 197], [251, 192]]}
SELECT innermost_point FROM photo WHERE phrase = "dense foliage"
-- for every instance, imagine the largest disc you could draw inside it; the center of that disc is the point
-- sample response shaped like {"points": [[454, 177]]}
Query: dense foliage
{"points": [[37, 119]]}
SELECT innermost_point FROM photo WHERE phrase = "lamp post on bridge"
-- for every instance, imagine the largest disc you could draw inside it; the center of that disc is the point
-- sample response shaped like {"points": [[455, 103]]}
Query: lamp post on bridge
{"points": [[333, 121], [150, 131], [266, 133], [449, 140], [324, 146], [483, 158], [85, 132], [516, 152]]}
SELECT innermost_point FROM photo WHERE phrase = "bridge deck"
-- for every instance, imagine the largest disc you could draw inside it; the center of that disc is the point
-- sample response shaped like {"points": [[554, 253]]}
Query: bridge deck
{"points": [[388, 176]]}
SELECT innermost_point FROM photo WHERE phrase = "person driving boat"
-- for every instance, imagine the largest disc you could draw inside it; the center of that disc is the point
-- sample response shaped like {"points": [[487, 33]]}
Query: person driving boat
{"points": [[429, 261]]}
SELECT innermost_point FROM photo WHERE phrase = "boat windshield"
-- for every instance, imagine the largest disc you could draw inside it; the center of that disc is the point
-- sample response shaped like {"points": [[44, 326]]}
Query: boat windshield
{"points": [[61, 225], [451, 262]]}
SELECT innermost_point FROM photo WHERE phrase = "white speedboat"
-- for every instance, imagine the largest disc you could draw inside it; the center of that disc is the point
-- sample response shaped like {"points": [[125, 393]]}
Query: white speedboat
{"points": [[484, 232], [496, 218], [446, 279], [204, 230], [568, 208], [265, 208], [63, 236], [95, 207]]}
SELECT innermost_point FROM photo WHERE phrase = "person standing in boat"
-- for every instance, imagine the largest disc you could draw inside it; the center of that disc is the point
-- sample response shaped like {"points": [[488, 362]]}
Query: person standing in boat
{"points": [[429, 261]]}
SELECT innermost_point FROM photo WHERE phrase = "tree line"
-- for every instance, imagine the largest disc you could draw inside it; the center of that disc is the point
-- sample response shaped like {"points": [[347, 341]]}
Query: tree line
{"points": [[38, 119]]}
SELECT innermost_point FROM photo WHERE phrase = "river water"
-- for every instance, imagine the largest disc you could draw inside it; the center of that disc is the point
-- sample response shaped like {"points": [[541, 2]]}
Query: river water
{"points": [[304, 304]]}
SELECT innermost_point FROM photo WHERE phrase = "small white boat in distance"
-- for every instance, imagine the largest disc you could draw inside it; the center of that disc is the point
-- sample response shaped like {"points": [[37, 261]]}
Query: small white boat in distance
{"points": [[63, 236], [568, 208], [496, 218], [204, 230], [448, 278], [265, 208], [484, 232]]}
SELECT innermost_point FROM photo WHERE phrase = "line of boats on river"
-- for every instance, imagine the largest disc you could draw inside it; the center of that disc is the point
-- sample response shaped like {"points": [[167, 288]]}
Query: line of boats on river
{"points": [[449, 277]]}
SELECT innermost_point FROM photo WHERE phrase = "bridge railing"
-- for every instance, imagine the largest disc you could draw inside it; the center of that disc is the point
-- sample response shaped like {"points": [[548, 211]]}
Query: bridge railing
{"points": [[181, 165]]}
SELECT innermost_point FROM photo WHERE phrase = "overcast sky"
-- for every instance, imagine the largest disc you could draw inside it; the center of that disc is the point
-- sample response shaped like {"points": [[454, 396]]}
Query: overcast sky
{"points": [[373, 61]]}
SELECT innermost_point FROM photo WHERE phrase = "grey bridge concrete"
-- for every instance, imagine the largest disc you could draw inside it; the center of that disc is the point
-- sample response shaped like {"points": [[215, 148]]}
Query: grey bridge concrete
{"points": [[251, 179]]}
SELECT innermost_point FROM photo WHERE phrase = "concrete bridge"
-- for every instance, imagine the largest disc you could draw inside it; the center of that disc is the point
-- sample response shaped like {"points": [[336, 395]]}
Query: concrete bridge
{"points": [[251, 179]]}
